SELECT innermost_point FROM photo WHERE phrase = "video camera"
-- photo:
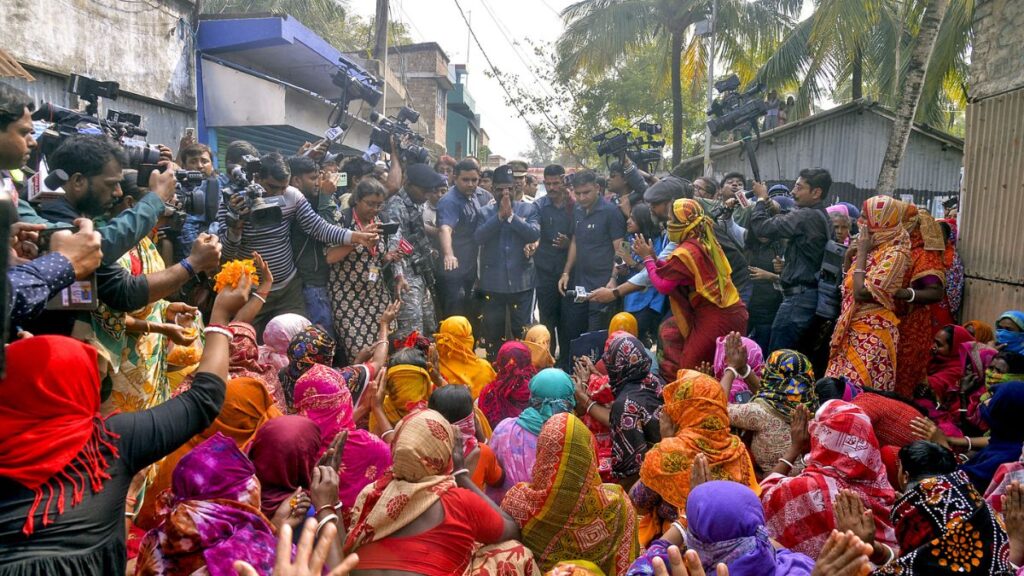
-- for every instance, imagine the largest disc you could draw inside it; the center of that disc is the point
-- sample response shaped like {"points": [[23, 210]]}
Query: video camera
{"points": [[734, 110], [386, 130], [261, 211], [643, 150], [355, 84]]}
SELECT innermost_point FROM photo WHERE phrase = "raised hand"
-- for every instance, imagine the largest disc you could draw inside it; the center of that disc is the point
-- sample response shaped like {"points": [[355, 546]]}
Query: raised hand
{"points": [[309, 561], [798, 432], [851, 515], [844, 554], [700, 472]]}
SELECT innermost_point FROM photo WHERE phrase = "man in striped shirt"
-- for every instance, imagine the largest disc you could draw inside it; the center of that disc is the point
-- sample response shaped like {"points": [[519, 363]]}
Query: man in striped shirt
{"points": [[241, 238]]}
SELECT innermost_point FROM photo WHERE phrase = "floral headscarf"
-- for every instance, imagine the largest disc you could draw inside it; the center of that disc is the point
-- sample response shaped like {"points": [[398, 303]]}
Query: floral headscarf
{"points": [[787, 382], [278, 335], [689, 221], [509, 394], [310, 346]]}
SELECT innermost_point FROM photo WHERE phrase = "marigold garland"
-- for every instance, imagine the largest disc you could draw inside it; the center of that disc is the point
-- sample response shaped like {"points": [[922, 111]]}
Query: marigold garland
{"points": [[231, 274]]}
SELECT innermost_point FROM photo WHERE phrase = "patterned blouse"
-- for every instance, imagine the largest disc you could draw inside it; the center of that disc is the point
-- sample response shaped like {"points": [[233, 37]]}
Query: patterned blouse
{"points": [[771, 433]]}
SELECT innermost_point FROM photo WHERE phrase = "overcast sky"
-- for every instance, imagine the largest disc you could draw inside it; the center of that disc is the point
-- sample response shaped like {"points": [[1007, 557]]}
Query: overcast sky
{"points": [[439, 21]]}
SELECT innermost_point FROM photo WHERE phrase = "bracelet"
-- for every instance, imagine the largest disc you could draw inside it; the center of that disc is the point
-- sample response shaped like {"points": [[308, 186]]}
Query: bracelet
{"points": [[328, 506], [218, 330], [392, 431], [787, 463], [258, 297], [913, 295], [589, 406], [736, 372], [188, 267], [328, 518], [682, 532], [460, 471], [149, 329], [892, 554], [970, 445], [860, 271]]}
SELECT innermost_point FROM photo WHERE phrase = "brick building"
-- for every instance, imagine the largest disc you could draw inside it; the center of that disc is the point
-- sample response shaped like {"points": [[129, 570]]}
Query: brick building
{"points": [[423, 69]]}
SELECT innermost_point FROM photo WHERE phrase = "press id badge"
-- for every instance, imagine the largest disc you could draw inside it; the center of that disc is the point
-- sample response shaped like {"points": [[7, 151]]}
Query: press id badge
{"points": [[373, 274]]}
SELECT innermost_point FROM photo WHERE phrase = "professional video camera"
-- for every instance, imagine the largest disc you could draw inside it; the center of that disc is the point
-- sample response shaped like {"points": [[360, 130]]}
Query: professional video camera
{"points": [[355, 84], [739, 111], [262, 211], [409, 143], [643, 150]]}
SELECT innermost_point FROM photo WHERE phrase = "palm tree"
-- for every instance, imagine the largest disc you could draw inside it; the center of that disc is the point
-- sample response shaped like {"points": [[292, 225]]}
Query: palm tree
{"points": [[931, 21], [850, 48], [600, 33]]}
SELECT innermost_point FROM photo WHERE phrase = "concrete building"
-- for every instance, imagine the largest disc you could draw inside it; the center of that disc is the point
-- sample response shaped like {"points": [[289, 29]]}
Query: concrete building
{"points": [[463, 121], [149, 52], [423, 69], [993, 191], [848, 140]]}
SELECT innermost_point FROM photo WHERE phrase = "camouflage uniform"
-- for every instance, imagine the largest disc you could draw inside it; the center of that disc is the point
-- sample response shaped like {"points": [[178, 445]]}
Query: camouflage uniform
{"points": [[417, 311]]}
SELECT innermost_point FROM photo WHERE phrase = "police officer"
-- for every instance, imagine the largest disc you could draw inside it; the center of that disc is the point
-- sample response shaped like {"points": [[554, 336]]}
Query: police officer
{"points": [[406, 208]]}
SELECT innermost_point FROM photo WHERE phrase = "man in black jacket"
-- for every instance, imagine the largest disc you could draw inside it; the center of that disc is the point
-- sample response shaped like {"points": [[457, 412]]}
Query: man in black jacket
{"points": [[807, 230]]}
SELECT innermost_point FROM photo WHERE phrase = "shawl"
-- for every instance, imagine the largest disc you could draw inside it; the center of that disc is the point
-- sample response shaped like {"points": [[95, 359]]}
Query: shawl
{"points": [[565, 512], [310, 346], [210, 517], [459, 364], [623, 322], [755, 359], [1002, 413], [422, 457], [247, 406], [726, 525], [1010, 340], [276, 337], [844, 456], [983, 332], [944, 526], [697, 406], [787, 382], [408, 388], [284, 452], [945, 372], [509, 394], [244, 360], [538, 340], [634, 413], [924, 230], [322, 395], [1005, 475], [698, 250], [551, 392], [52, 430]]}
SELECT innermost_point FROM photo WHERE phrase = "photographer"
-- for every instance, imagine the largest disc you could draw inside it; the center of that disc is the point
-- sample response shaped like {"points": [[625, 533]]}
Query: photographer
{"points": [[627, 183], [807, 230], [507, 277], [198, 158], [93, 165], [241, 237], [406, 208]]}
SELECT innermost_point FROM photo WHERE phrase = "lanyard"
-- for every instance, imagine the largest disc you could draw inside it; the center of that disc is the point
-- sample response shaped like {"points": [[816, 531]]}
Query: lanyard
{"points": [[373, 249]]}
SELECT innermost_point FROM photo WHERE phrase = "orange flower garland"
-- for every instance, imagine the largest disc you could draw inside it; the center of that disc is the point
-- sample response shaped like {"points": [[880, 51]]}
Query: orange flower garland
{"points": [[231, 274]]}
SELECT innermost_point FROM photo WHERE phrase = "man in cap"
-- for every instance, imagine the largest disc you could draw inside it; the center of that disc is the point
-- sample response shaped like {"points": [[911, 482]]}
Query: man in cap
{"points": [[519, 171], [507, 276], [406, 208]]}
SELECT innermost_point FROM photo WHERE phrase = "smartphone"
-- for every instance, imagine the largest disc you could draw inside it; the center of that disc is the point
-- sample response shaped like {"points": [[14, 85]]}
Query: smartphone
{"points": [[190, 133], [340, 179], [45, 235], [389, 228]]}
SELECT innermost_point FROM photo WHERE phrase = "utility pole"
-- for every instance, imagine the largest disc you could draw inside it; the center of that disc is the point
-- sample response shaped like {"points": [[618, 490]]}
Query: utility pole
{"points": [[469, 28], [380, 47], [711, 84]]}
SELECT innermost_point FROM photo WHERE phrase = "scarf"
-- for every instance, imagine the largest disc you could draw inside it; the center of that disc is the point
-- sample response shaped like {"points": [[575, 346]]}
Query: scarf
{"points": [[459, 364], [628, 365], [408, 388], [284, 453], [945, 527], [247, 406], [310, 346], [53, 434], [787, 382], [276, 337], [946, 371], [509, 394], [923, 229], [1012, 341], [689, 225], [551, 392], [726, 525], [1006, 474], [422, 455], [844, 456], [983, 332], [538, 340], [697, 406], [1003, 415], [322, 395], [623, 322], [210, 517], [565, 511]]}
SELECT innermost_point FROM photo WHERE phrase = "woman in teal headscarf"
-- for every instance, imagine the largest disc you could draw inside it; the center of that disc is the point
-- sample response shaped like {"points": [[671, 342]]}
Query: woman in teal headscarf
{"points": [[1010, 331], [515, 439]]}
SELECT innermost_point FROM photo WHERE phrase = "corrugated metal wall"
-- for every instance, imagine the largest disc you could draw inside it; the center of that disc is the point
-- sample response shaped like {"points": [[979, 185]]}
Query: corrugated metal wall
{"points": [[992, 206], [165, 125], [851, 146]]}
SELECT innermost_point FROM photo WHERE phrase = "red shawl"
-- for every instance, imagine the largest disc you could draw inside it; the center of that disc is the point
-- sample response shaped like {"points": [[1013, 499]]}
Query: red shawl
{"points": [[52, 429], [509, 393]]}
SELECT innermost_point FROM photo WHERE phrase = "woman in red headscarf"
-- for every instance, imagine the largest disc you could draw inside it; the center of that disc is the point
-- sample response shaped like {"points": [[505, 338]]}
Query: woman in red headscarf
{"points": [[696, 277], [65, 470], [946, 368]]}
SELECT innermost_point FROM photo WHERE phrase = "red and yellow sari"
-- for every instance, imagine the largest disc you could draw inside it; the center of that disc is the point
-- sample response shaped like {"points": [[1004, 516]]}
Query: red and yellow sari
{"points": [[866, 334]]}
